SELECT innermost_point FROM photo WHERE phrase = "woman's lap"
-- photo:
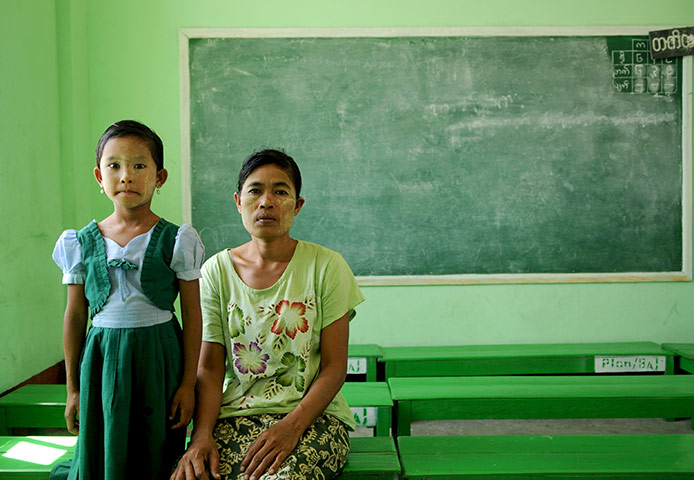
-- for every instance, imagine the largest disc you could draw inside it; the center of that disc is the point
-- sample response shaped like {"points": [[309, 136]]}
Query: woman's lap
{"points": [[320, 454]]}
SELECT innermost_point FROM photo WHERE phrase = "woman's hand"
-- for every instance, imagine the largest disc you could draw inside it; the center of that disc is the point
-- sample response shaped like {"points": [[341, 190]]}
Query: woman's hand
{"points": [[183, 404], [270, 449], [201, 454], [72, 412]]}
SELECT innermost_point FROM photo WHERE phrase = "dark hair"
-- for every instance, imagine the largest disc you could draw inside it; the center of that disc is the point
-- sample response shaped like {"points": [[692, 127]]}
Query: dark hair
{"points": [[131, 128], [270, 157]]}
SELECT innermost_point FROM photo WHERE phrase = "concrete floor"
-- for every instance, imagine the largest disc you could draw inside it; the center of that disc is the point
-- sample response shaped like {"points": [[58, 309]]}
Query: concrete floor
{"points": [[544, 427]]}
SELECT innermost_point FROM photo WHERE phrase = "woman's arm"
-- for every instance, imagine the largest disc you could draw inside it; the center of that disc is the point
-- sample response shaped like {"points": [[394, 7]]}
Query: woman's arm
{"points": [[274, 445], [191, 316], [202, 451], [74, 326]]}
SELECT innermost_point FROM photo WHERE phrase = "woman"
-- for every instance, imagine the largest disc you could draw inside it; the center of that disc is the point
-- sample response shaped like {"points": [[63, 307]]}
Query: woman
{"points": [[276, 315]]}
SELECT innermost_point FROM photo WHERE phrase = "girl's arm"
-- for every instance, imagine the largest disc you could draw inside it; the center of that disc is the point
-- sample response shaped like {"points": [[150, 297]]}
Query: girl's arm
{"points": [[274, 445], [191, 316], [202, 455], [74, 327]]}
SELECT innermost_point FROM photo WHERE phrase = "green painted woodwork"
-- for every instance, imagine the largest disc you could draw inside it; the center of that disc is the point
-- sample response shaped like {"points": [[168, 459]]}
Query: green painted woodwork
{"points": [[684, 353], [43, 406], [367, 394], [621, 396], [535, 359], [548, 457], [39, 450], [371, 394], [372, 458], [685, 350], [372, 353], [33, 406]]}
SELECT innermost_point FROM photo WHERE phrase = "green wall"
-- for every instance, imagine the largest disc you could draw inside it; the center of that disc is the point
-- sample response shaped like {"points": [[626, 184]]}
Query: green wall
{"points": [[31, 192], [123, 63]]}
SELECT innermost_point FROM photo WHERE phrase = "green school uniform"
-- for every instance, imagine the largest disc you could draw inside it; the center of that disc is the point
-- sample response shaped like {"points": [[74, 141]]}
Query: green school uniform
{"points": [[128, 376]]}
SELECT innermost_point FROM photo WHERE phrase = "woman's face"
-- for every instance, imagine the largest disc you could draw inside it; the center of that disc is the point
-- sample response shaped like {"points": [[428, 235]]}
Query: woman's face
{"points": [[267, 202]]}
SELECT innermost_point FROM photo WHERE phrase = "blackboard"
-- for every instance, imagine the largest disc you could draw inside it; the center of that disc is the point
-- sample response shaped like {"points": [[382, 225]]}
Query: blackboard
{"points": [[441, 158]]}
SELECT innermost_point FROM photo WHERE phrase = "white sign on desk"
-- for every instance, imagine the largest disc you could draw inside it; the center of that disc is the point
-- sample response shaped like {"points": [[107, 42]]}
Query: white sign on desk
{"points": [[630, 363], [365, 416], [356, 365]]}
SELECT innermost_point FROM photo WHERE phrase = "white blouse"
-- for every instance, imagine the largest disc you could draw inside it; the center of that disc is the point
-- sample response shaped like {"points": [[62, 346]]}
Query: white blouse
{"points": [[127, 305]]}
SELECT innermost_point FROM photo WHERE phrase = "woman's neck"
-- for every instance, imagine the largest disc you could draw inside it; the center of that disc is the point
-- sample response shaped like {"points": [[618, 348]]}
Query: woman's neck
{"points": [[280, 250], [260, 264]]}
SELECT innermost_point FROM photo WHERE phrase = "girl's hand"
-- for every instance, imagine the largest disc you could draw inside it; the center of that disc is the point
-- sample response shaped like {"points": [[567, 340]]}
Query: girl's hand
{"points": [[183, 404], [72, 412], [269, 450]]}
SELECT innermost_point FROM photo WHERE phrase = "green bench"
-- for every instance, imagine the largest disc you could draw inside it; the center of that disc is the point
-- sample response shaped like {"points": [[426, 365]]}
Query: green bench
{"points": [[33, 406], [372, 458], [362, 360], [371, 405], [684, 354], [537, 359], [605, 457], [43, 406], [550, 397], [32, 458]]}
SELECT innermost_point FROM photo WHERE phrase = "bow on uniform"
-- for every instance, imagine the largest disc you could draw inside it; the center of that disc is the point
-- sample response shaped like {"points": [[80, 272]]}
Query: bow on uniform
{"points": [[121, 263]]}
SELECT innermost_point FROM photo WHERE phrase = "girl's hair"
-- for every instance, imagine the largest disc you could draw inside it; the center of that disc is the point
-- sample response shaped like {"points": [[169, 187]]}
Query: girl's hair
{"points": [[270, 157], [131, 128]]}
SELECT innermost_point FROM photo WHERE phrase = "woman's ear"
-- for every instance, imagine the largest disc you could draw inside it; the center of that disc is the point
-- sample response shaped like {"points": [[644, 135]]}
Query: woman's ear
{"points": [[299, 203], [237, 199]]}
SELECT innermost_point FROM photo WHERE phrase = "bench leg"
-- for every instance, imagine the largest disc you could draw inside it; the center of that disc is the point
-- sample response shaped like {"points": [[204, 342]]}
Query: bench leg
{"points": [[4, 431], [403, 421], [383, 422]]}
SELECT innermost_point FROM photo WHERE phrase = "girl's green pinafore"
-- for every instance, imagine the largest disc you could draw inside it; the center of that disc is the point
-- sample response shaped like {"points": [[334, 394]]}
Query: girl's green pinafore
{"points": [[128, 377]]}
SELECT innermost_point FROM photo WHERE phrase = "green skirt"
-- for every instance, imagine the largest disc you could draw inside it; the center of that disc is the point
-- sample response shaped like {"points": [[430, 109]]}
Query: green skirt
{"points": [[128, 377], [320, 454]]}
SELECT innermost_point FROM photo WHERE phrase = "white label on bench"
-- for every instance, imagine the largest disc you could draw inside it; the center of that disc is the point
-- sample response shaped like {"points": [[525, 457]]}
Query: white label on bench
{"points": [[634, 363], [356, 365], [365, 416]]}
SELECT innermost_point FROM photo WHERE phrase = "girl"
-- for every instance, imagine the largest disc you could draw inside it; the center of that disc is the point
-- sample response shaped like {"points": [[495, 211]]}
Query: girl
{"points": [[132, 395]]}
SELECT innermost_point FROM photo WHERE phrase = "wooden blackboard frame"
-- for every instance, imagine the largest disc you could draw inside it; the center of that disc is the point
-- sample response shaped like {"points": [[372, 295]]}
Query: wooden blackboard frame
{"points": [[685, 274]]}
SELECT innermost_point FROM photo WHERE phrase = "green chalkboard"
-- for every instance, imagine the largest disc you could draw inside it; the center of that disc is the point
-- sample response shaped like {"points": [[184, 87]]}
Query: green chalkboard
{"points": [[449, 155]]}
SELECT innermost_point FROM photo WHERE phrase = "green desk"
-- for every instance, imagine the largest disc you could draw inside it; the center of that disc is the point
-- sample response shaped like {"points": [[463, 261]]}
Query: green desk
{"points": [[605, 457], [33, 406], [43, 406], [684, 353], [362, 360], [535, 359], [371, 405], [554, 396]]}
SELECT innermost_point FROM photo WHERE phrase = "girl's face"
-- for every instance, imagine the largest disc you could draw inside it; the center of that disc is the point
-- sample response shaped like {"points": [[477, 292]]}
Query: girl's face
{"points": [[267, 202], [127, 172]]}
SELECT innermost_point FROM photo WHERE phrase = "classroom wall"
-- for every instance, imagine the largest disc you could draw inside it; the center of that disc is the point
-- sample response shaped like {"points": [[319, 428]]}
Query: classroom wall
{"points": [[30, 191], [124, 64]]}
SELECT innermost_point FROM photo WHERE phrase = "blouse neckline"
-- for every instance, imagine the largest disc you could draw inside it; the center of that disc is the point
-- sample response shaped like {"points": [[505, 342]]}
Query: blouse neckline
{"points": [[125, 247], [236, 275]]}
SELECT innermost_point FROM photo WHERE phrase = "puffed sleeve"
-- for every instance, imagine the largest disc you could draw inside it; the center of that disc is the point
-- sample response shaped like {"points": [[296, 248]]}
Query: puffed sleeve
{"points": [[188, 254], [67, 254]]}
